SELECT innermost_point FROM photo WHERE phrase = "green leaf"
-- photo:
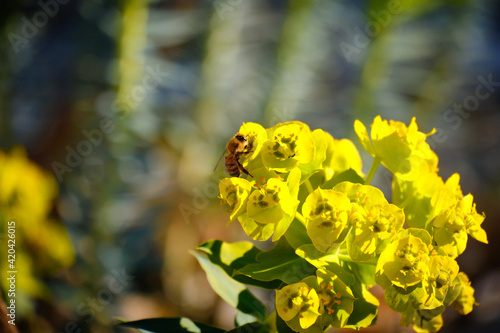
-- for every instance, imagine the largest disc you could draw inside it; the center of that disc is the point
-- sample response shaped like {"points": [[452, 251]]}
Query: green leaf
{"points": [[233, 256], [243, 319], [348, 175], [254, 327], [365, 309], [452, 293], [230, 256], [296, 235], [315, 257], [399, 299], [354, 251], [279, 263], [282, 327], [327, 260], [231, 291], [364, 272], [344, 275], [171, 325]]}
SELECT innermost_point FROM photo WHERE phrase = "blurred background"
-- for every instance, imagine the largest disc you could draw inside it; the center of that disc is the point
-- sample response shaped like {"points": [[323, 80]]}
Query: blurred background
{"points": [[113, 115]]}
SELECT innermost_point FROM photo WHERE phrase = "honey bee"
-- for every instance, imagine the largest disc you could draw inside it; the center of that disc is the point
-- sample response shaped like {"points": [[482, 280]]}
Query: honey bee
{"points": [[236, 147]]}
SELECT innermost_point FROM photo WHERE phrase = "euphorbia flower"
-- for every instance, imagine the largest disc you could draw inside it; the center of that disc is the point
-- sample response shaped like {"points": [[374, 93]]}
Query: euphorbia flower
{"points": [[361, 195], [442, 273], [405, 262], [375, 221], [270, 202], [423, 324], [234, 192], [328, 299], [415, 196], [453, 217], [465, 301], [256, 136], [374, 227], [336, 301], [271, 206], [341, 155], [401, 149], [289, 145], [300, 301], [326, 213]]}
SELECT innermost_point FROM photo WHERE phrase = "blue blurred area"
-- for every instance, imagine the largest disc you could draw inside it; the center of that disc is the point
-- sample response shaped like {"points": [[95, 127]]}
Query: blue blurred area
{"points": [[157, 109]]}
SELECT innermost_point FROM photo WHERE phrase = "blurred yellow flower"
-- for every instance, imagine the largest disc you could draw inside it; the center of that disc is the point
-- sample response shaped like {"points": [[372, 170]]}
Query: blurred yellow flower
{"points": [[42, 244]]}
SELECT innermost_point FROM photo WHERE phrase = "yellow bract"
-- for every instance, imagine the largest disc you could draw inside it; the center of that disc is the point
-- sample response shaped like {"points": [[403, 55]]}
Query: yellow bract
{"points": [[405, 262], [341, 155], [298, 299], [256, 136], [401, 149], [234, 192], [326, 213], [289, 145], [465, 300], [453, 216]]}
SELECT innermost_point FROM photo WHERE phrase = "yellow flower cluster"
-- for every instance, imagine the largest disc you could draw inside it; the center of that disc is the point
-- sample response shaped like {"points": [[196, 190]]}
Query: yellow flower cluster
{"points": [[280, 159], [42, 244], [308, 187]]}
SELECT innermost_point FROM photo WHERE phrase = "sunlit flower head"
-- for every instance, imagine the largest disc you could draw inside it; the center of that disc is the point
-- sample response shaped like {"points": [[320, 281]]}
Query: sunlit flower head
{"points": [[327, 214], [234, 192], [298, 300], [402, 149], [288, 145], [405, 262]]}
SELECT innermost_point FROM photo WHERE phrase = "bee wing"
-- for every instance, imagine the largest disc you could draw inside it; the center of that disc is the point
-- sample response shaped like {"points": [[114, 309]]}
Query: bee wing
{"points": [[220, 159]]}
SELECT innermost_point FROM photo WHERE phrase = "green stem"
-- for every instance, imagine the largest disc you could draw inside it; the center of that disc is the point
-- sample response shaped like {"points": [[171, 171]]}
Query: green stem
{"points": [[301, 218], [346, 258], [373, 169], [309, 186]]}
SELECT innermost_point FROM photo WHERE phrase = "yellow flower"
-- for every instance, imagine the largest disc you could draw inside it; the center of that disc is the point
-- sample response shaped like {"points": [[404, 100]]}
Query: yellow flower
{"points": [[336, 298], [289, 145], [373, 230], [26, 191], [27, 195], [341, 155], [401, 149], [442, 273], [375, 221], [271, 202], [465, 300], [405, 262], [415, 197], [326, 213], [300, 300], [271, 206], [235, 191], [256, 136], [453, 217]]}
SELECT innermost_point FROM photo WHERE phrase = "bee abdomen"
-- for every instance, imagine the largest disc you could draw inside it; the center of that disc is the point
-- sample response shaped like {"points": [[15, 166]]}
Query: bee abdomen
{"points": [[232, 166], [233, 170]]}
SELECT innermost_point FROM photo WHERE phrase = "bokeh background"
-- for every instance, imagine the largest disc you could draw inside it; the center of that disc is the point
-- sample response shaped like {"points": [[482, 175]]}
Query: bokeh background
{"points": [[126, 106]]}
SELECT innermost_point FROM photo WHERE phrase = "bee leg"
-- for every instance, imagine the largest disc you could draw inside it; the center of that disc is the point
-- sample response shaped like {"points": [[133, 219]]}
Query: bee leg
{"points": [[243, 169]]}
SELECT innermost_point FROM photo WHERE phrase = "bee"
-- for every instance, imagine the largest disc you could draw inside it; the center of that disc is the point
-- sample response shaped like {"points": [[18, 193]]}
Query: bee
{"points": [[236, 147]]}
